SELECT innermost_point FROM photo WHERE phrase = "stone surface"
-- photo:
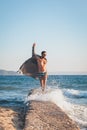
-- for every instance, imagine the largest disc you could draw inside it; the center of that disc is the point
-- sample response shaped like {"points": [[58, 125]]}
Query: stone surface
{"points": [[47, 116], [11, 118]]}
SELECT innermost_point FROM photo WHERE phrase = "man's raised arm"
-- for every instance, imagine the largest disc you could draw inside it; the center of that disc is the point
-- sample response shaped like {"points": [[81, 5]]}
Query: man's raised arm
{"points": [[33, 49]]}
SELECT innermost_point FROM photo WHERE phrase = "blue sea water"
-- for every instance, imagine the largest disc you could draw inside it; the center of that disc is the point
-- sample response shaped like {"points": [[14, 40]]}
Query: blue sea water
{"points": [[67, 91]]}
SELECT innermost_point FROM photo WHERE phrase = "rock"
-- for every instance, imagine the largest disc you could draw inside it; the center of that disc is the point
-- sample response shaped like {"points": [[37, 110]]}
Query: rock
{"points": [[11, 118], [42, 115]]}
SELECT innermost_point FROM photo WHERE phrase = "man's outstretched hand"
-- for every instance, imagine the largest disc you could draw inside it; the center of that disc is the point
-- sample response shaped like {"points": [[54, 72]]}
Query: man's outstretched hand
{"points": [[34, 44]]}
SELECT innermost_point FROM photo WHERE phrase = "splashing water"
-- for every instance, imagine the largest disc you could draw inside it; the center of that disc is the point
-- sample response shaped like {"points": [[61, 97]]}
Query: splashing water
{"points": [[61, 99], [53, 95]]}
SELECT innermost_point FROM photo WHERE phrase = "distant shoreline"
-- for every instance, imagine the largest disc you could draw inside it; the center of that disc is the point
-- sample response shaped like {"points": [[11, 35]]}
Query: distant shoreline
{"points": [[14, 73]]}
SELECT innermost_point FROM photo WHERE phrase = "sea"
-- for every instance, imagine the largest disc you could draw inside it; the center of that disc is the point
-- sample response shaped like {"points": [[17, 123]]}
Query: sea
{"points": [[69, 92]]}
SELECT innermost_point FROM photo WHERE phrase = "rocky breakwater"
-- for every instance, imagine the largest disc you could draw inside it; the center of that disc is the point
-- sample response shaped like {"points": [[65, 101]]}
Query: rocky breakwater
{"points": [[42, 115], [37, 115]]}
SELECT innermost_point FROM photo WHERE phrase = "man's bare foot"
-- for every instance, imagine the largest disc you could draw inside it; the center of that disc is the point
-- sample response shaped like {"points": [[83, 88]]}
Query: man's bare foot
{"points": [[43, 89]]}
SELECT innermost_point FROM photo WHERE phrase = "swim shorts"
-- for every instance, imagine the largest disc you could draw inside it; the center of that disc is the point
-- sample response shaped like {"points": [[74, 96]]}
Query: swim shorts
{"points": [[41, 74]]}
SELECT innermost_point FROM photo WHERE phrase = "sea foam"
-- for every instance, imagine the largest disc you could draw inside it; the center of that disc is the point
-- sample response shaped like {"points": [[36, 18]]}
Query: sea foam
{"points": [[61, 98], [54, 95], [75, 93]]}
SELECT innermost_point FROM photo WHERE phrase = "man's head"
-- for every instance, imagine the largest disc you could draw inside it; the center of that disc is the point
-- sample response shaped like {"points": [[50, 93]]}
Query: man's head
{"points": [[43, 54]]}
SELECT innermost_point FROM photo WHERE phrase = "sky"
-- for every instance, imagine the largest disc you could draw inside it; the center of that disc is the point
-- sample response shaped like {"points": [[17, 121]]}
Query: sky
{"points": [[57, 26]]}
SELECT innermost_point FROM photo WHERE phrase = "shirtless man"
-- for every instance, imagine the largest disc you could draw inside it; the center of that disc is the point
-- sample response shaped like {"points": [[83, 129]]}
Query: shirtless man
{"points": [[42, 71]]}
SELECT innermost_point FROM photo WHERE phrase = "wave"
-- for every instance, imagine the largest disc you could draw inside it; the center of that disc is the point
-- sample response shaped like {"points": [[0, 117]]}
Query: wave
{"points": [[54, 95], [11, 103], [72, 93], [8, 88]]}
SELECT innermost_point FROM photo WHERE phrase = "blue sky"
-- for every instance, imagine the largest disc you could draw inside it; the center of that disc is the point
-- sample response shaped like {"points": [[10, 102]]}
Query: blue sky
{"points": [[57, 26]]}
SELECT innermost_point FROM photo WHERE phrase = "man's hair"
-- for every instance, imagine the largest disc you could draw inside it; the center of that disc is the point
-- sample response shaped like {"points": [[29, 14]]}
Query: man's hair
{"points": [[43, 52]]}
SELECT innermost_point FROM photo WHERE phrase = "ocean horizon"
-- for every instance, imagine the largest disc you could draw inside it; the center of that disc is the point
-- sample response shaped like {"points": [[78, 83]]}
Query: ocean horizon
{"points": [[11, 72]]}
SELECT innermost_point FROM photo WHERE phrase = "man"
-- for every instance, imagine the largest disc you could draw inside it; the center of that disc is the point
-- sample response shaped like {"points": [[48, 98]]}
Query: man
{"points": [[42, 71]]}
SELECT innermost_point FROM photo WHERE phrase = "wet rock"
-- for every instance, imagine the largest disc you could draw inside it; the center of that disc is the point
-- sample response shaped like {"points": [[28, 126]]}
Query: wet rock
{"points": [[47, 116]]}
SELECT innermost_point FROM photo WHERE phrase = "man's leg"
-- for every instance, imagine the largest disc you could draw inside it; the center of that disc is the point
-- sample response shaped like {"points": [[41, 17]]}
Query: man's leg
{"points": [[45, 81], [42, 84]]}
